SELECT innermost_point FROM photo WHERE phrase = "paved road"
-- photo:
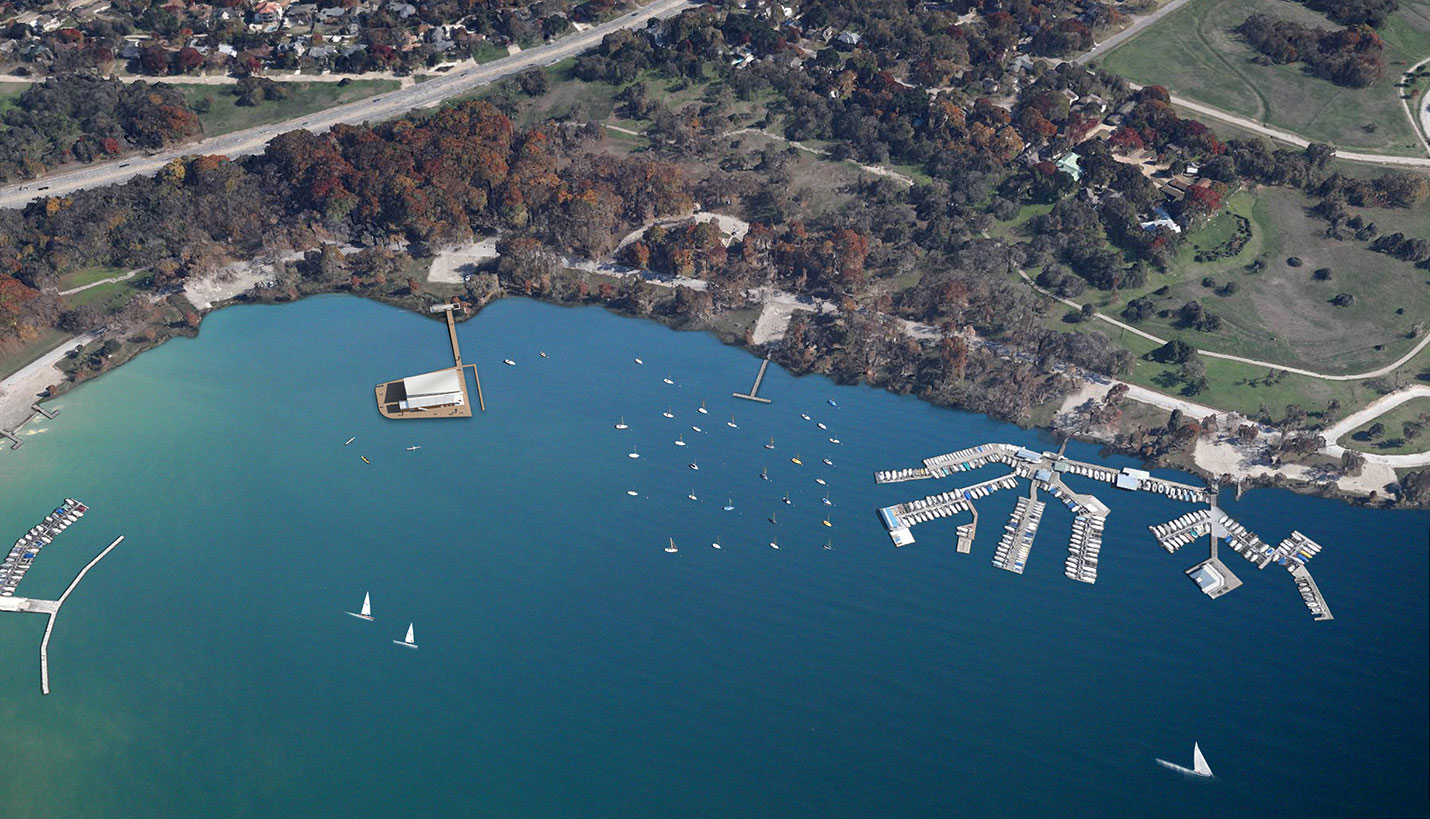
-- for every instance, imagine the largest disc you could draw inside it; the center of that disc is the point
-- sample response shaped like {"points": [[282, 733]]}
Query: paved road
{"points": [[1375, 409], [380, 107]]}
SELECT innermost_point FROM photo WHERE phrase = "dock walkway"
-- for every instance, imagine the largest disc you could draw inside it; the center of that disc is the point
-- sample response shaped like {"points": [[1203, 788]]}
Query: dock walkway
{"points": [[753, 394], [50, 626]]}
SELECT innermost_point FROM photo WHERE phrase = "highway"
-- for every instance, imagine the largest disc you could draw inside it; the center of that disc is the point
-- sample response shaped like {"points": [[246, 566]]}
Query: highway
{"points": [[377, 108]]}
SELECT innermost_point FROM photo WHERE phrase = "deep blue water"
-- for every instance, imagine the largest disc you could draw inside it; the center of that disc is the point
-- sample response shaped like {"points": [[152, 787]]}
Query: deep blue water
{"points": [[568, 666]]}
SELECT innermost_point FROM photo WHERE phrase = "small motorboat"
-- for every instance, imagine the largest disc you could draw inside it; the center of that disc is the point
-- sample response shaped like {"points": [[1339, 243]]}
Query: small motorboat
{"points": [[680, 440], [703, 410], [622, 424], [671, 548], [408, 642], [771, 444], [729, 505], [633, 454], [731, 423], [796, 461], [364, 459], [692, 495], [632, 492], [668, 413], [827, 462], [694, 465], [413, 448], [508, 362], [667, 380], [350, 440], [366, 612]]}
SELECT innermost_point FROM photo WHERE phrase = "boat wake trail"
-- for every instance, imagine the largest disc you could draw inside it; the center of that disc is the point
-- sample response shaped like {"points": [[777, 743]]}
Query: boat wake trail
{"points": [[1174, 766]]}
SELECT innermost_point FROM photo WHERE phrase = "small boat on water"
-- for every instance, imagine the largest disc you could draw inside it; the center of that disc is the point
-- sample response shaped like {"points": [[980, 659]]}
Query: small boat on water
{"points": [[821, 425], [671, 548], [764, 474], [795, 460], [350, 440], [716, 544], [667, 380], [831, 403], [508, 362], [622, 424], [827, 462], [820, 481], [680, 440], [826, 501], [835, 441], [414, 448], [771, 444], [703, 410], [697, 429], [542, 354], [1199, 764], [668, 413], [826, 521], [731, 423], [804, 415], [829, 544], [366, 612], [788, 502], [694, 465], [692, 495], [364, 459], [729, 505], [408, 641], [633, 454], [774, 543], [638, 361], [632, 492], [773, 518]]}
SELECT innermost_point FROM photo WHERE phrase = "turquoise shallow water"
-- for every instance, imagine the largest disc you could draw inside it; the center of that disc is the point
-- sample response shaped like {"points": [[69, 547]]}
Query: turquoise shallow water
{"points": [[569, 667]]}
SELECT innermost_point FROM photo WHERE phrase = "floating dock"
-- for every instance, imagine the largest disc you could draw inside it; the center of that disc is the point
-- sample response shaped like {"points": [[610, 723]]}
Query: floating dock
{"points": [[438, 394], [753, 394], [1047, 471]]}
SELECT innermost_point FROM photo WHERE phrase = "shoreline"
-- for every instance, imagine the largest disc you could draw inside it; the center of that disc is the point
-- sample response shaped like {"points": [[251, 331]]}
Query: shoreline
{"points": [[1246, 475]]}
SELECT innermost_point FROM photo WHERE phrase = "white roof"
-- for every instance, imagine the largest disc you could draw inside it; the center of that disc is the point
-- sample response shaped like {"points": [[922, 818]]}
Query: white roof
{"points": [[438, 383], [1207, 578]]}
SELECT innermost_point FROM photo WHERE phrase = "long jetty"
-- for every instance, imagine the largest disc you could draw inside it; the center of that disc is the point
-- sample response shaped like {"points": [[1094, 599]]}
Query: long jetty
{"points": [[753, 394], [1048, 471], [54, 612]]}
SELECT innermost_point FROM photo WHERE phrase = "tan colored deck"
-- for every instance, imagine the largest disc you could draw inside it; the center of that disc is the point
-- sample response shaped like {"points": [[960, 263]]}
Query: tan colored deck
{"points": [[390, 393]]}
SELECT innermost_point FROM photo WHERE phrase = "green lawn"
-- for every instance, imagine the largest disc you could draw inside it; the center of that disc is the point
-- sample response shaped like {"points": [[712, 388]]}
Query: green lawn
{"points": [[1195, 53], [1393, 422], [1282, 313], [88, 275], [107, 298], [8, 92], [12, 358], [225, 115]]}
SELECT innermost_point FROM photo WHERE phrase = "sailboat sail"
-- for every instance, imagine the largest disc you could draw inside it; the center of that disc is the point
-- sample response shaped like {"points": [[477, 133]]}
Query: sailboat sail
{"points": [[1199, 762], [367, 604]]}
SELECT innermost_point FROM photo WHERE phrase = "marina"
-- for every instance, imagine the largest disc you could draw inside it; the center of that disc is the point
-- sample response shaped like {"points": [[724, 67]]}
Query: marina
{"points": [[753, 394], [438, 394], [1046, 471]]}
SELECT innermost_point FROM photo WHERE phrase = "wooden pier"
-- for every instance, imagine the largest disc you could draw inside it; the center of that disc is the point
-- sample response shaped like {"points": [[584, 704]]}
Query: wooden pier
{"points": [[392, 394], [753, 394]]}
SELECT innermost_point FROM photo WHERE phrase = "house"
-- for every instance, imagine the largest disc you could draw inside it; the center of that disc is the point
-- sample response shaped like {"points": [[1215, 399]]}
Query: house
{"points": [[332, 14], [1067, 163], [267, 12], [1023, 63], [847, 38]]}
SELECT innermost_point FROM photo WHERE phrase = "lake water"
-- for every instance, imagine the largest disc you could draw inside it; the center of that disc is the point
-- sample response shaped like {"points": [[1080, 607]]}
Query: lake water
{"points": [[568, 666]]}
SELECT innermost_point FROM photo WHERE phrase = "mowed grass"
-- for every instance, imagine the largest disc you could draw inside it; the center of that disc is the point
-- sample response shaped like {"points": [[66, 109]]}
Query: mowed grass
{"points": [[1393, 422], [1283, 314], [226, 115], [9, 91], [88, 275], [106, 298], [15, 355], [1195, 53]]}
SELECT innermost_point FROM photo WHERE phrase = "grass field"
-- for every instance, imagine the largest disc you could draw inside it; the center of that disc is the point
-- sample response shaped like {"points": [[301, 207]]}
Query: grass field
{"points": [[1393, 422], [106, 298], [8, 92], [88, 275], [1282, 313], [225, 115], [14, 356], [1195, 53]]}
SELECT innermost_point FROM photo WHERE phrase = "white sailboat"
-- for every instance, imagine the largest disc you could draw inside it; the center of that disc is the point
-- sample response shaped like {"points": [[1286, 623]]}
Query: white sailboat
{"points": [[633, 493], [633, 453], [414, 448], [668, 413], [366, 613], [408, 642], [680, 440], [731, 423], [692, 495], [729, 504], [716, 544], [671, 548], [703, 410], [622, 424], [1199, 763], [350, 440], [667, 380]]}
